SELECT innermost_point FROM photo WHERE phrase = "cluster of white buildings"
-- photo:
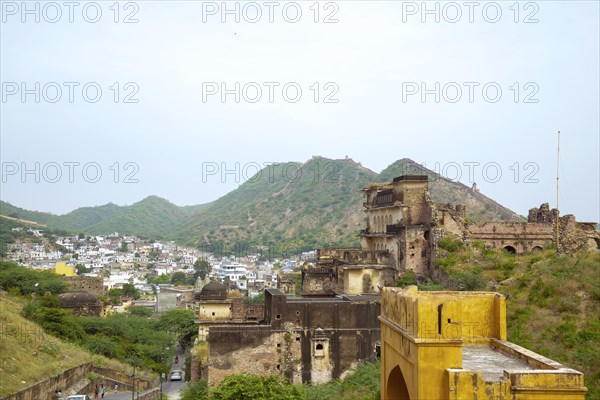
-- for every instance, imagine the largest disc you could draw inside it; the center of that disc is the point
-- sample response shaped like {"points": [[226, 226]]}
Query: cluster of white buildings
{"points": [[128, 259]]}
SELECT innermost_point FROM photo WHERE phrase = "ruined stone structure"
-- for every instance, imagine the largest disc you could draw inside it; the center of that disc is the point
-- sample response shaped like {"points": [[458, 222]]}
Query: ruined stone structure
{"points": [[348, 271], [519, 236], [452, 345], [214, 307], [83, 304], [305, 340], [92, 284], [404, 225], [286, 283], [399, 220]]}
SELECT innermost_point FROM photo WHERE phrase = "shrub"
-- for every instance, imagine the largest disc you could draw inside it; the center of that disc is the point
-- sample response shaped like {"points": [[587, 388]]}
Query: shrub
{"points": [[409, 278], [449, 244], [253, 387], [469, 280], [195, 391]]}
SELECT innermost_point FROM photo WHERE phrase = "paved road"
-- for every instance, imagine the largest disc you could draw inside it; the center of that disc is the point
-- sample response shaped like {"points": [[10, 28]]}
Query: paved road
{"points": [[169, 388]]}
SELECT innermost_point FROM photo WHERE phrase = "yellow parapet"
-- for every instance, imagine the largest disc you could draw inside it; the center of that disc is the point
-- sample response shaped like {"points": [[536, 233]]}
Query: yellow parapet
{"points": [[452, 345]]}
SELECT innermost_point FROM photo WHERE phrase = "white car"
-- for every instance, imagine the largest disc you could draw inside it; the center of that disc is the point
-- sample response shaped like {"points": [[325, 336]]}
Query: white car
{"points": [[79, 397], [176, 375]]}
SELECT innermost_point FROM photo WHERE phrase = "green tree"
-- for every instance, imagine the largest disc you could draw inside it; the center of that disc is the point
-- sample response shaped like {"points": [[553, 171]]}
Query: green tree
{"points": [[179, 278], [258, 299], [101, 345], [81, 269], [129, 290], [253, 387], [53, 319], [140, 311], [157, 280], [181, 322], [203, 268], [114, 295]]}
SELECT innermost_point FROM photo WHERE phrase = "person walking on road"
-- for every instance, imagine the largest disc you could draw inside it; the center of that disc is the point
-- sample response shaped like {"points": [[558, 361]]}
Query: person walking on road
{"points": [[102, 390], [116, 388]]}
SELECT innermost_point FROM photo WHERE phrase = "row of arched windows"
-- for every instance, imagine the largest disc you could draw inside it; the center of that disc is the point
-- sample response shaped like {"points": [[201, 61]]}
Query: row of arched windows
{"points": [[380, 246], [380, 222]]}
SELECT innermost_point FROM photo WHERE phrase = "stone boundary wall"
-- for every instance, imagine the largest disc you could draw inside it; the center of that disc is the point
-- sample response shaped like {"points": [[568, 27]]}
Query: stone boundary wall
{"points": [[44, 390], [151, 395]]}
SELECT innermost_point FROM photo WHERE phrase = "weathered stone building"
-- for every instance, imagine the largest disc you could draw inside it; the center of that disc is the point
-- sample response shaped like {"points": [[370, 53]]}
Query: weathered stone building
{"points": [[306, 340], [82, 303], [348, 271], [92, 284], [214, 307]]}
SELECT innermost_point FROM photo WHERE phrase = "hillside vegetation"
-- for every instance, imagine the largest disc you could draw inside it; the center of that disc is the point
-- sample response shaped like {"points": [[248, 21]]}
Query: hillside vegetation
{"points": [[287, 207], [29, 355], [553, 302]]}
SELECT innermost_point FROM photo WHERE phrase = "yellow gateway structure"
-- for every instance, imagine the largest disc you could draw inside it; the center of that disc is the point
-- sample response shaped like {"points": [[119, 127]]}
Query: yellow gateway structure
{"points": [[452, 345]]}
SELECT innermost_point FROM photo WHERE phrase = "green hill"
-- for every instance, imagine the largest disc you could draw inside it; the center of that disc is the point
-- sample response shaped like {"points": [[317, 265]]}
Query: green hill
{"points": [[152, 217], [9, 210], [301, 205], [295, 206]]}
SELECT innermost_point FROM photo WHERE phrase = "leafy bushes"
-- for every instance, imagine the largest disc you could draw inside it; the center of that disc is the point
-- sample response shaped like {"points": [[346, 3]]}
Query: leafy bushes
{"points": [[409, 278], [195, 391], [469, 280], [252, 387], [449, 244], [29, 281], [119, 336], [362, 384], [102, 345]]}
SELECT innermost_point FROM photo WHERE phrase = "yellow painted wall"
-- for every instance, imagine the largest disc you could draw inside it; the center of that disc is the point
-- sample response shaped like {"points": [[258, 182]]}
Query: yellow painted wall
{"points": [[429, 354], [61, 268], [220, 310], [473, 316]]}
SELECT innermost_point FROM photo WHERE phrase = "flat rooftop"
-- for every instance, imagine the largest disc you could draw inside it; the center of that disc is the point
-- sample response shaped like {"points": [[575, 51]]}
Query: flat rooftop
{"points": [[490, 363], [337, 298]]}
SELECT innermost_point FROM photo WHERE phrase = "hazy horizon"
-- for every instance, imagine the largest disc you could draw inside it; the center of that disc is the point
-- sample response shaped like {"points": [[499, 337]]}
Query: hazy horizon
{"points": [[150, 93]]}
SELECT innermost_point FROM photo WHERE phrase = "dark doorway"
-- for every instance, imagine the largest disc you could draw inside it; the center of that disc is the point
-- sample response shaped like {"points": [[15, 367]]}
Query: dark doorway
{"points": [[510, 249], [396, 387]]}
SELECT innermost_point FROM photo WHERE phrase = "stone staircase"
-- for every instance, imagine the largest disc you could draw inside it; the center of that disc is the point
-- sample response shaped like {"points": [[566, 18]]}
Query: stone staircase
{"points": [[76, 388]]}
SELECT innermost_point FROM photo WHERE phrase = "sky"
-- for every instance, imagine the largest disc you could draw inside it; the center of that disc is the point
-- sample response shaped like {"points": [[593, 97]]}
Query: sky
{"points": [[115, 101]]}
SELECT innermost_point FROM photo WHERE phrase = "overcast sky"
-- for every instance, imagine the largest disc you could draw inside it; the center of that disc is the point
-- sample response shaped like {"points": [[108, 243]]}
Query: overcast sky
{"points": [[488, 83]]}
